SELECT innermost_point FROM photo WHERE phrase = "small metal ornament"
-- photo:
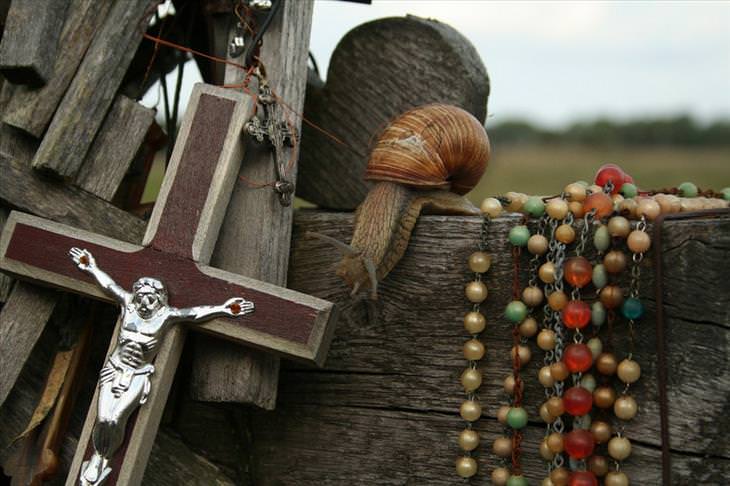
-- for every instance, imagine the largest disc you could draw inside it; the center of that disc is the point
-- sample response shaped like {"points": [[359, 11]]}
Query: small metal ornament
{"points": [[238, 44], [124, 380], [260, 5]]}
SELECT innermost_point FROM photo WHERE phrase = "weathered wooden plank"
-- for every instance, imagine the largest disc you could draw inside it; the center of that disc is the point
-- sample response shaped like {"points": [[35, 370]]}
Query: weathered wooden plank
{"points": [[255, 238], [91, 93], [379, 70], [31, 109], [6, 282], [30, 40]]}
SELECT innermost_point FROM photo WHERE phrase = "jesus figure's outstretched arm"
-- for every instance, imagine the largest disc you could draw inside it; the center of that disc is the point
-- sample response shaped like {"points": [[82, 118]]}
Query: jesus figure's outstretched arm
{"points": [[86, 262]]}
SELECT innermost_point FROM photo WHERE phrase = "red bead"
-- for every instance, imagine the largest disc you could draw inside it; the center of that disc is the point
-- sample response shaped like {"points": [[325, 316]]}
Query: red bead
{"points": [[612, 173], [601, 202], [582, 478], [578, 271], [578, 357], [577, 401], [579, 443], [576, 314]]}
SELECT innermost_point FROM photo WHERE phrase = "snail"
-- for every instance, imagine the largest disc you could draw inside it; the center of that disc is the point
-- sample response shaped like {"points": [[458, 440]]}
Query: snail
{"points": [[424, 161]]}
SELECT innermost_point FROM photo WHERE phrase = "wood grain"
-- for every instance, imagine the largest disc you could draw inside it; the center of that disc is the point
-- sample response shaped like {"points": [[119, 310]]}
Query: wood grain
{"points": [[31, 109], [92, 91], [255, 239], [30, 40], [378, 71]]}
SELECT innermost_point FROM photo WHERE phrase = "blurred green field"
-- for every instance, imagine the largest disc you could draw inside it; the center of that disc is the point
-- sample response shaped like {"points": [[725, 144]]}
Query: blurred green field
{"points": [[546, 169]]}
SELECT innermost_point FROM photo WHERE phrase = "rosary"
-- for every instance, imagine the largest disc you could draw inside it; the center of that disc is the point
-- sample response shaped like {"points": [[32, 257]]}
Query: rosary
{"points": [[585, 248]]}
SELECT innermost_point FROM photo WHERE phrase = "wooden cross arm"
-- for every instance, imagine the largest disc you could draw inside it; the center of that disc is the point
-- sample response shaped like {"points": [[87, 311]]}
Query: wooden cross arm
{"points": [[286, 322]]}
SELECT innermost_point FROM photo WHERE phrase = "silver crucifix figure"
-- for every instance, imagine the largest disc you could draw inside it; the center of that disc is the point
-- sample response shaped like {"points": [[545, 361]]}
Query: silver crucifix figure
{"points": [[124, 381]]}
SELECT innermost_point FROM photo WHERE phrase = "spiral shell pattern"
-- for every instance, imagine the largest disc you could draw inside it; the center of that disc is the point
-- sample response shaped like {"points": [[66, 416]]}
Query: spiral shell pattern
{"points": [[434, 146]]}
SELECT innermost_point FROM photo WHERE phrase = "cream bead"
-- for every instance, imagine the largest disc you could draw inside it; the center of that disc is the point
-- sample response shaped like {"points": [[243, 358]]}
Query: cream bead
{"points": [[546, 339], [479, 262], [516, 201], [545, 377], [595, 188], [524, 353], [537, 245], [471, 379], [628, 371], [473, 350], [476, 292], [528, 327], [576, 208], [616, 478], [555, 442], [509, 384], [625, 407], [557, 208], [627, 208], [545, 414], [547, 482], [638, 241], [565, 234], [491, 207], [546, 272], [474, 322], [555, 406], [466, 467], [619, 226], [502, 414], [575, 192], [619, 448], [532, 296], [470, 410], [648, 208], [596, 346], [468, 439], [500, 476], [502, 446], [545, 451]]}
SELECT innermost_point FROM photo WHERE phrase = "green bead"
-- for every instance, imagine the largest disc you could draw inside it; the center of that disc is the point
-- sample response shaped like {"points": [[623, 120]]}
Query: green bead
{"points": [[588, 382], [598, 314], [628, 190], [517, 417], [534, 206], [516, 311], [519, 235], [601, 238], [725, 193], [632, 308], [600, 276], [517, 481], [687, 189]]}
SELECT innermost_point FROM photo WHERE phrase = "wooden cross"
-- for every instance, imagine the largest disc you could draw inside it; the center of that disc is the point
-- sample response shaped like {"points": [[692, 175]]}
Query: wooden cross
{"points": [[178, 243]]}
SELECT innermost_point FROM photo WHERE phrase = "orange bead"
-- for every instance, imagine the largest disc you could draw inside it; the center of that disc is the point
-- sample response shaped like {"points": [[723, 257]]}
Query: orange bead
{"points": [[565, 234], [602, 203], [578, 271]]}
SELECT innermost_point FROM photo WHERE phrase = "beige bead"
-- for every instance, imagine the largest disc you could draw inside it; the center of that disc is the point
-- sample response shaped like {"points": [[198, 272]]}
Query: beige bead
{"points": [[619, 227], [628, 207], [560, 476], [546, 339], [545, 414], [617, 200], [596, 346], [601, 431], [616, 478], [491, 207], [479, 262], [537, 245], [665, 203], [604, 396], [625, 407], [476, 292], [466, 467], [547, 482], [468, 439], [545, 377], [594, 188], [565, 234], [524, 353], [606, 364], [545, 451], [638, 241], [557, 208], [528, 327], [516, 201], [532, 296], [509, 384], [676, 203], [575, 192], [615, 261], [649, 208], [546, 272], [555, 442], [555, 406], [500, 476], [576, 208], [557, 300], [470, 410], [502, 446], [628, 371], [502, 414], [559, 370], [473, 350], [471, 379], [474, 322], [619, 448]]}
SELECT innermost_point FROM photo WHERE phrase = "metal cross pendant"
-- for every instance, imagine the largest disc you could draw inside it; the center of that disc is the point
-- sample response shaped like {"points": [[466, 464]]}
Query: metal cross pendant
{"points": [[277, 134]]}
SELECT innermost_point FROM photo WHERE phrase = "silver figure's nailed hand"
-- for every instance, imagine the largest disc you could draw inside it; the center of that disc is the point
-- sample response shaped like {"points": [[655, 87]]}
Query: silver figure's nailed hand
{"points": [[238, 306], [82, 258]]}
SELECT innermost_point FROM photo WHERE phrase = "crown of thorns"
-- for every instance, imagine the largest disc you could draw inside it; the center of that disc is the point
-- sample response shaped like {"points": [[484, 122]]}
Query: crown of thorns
{"points": [[152, 283]]}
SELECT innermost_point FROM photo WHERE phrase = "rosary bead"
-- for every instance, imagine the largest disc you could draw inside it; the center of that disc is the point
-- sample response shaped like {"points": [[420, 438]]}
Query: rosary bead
{"points": [[601, 238], [604, 396], [619, 227], [534, 206], [588, 382], [516, 201], [510, 384], [582, 478], [638, 241], [555, 406], [545, 414], [545, 377], [546, 272], [595, 189], [557, 208], [559, 370], [619, 448], [632, 308], [648, 208], [596, 346], [524, 353], [476, 292], [616, 478], [532, 296], [600, 202], [560, 476], [555, 442], [517, 418], [611, 296], [545, 451], [515, 480], [606, 364], [528, 327], [502, 414], [537, 245], [625, 407], [519, 235], [479, 262], [557, 300], [578, 357], [615, 261], [610, 173], [474, 322], [575, 192], [500, 476], [576, 208], [547, 482], [601, 431], [576, 314], [546, 339], [577, 401], [725, 193], [565, 234], [687, 189], [516, 311], [502, 446], [578, 271], [468, 439], [470, 410], [669, 203], [491, 207], [628, 190], [471, 379], [628, 207], [599, 276], [598, 313], [466, 467], [598, 465], [473, 350], [629, 371]]}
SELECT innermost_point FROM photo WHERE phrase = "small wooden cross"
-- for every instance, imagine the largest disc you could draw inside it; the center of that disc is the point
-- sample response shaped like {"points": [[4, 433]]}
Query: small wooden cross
{"points": [[178, 243]]}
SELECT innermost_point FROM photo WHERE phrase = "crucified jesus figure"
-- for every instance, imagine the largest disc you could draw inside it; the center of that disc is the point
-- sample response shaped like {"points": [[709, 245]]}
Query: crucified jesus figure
{"points": [[124, 381]]}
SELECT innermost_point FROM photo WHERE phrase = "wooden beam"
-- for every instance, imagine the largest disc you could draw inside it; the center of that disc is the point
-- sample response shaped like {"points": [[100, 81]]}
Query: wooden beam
{"points": [[30, 40]]}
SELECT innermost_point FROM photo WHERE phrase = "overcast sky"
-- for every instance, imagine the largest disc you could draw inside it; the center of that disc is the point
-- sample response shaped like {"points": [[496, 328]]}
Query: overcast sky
{"points": [[554, 62]]}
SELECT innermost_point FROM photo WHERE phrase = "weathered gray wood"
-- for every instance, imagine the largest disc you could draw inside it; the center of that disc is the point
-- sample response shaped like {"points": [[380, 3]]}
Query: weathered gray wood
{"points": [[377, 71], [255, 238], [6, 282], [31, 109], [114, 147], [385, 408], [30, 40], [92, 91]]}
